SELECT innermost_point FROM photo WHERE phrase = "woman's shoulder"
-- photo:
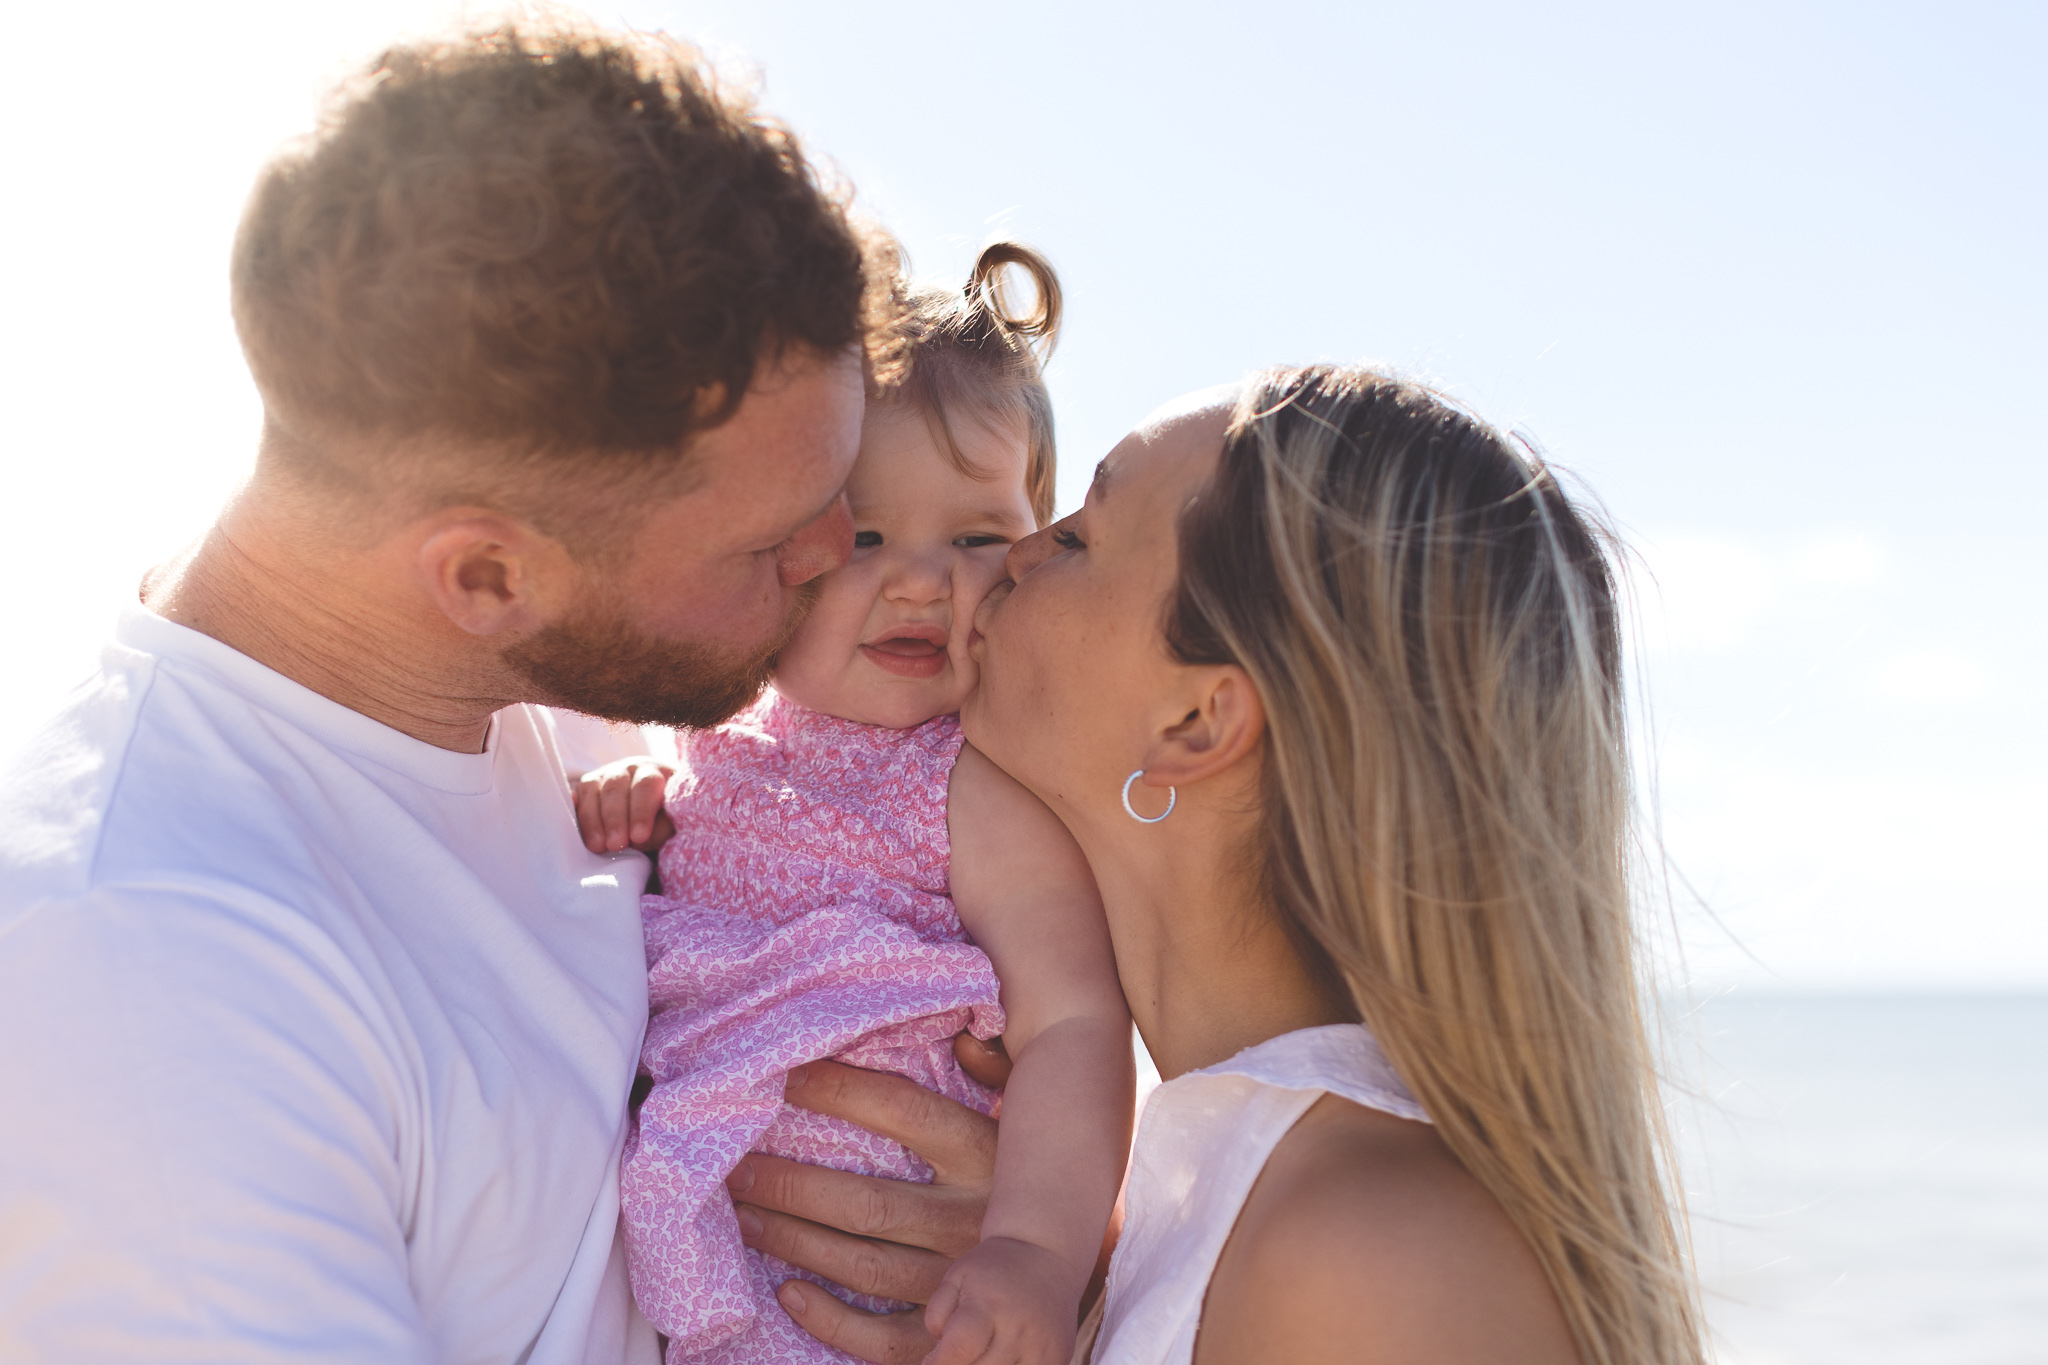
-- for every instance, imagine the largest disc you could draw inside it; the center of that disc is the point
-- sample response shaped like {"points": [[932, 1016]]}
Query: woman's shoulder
{"points": [[1366, 1240]]}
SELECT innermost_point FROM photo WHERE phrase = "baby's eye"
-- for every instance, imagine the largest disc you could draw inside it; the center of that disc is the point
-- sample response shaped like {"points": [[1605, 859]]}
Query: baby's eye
{"points": [[975, 542], [866, 540], [1066, 539]]}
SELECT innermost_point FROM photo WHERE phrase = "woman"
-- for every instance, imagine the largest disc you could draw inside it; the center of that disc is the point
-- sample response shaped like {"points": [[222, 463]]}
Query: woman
{"points": [[1325, 678]]}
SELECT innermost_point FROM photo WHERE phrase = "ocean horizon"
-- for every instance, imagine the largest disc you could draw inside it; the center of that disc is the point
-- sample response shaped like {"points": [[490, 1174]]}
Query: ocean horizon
{"points": [[1867, 1175]]}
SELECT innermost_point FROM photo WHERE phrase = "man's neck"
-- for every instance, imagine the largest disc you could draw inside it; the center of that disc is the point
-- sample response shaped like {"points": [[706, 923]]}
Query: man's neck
{"points": [[330, 620]]}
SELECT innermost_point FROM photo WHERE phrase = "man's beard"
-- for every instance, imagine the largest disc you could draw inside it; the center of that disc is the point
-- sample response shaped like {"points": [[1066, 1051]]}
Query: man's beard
{"points": [[597, 663]]}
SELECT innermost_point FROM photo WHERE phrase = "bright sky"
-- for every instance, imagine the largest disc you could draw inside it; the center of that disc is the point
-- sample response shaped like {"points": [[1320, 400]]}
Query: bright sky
{"points": [[1769, 277]]}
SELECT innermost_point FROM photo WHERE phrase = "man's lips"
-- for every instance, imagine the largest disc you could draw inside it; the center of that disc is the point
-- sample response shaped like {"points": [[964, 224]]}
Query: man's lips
{"points": [[917, 651]]}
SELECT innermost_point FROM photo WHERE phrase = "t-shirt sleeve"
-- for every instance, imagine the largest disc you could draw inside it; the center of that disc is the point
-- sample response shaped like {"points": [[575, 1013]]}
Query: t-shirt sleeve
{"points": [[202, 1141]]}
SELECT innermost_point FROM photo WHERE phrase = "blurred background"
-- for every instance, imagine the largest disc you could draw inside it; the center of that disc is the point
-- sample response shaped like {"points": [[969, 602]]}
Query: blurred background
{"points": [[1768, 278]]}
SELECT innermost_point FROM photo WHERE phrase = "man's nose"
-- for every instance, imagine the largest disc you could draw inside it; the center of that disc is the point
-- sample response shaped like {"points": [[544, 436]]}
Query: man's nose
{"points": [[822, 546]]}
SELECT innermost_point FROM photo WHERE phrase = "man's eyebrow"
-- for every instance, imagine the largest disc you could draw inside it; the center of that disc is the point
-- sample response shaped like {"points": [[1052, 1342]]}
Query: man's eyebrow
{"points": [[822, 510]]}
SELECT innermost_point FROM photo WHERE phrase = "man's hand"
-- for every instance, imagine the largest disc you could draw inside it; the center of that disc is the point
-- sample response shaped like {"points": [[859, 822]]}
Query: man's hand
{"points": [[894, 1239], [619, 806], [987, 1062]]}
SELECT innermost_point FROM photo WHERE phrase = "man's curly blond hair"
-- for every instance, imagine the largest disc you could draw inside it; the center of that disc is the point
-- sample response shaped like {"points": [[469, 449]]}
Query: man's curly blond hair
{"points": [[567, 247]]}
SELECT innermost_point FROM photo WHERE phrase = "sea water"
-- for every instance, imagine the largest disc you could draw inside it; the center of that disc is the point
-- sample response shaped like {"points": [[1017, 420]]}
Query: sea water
{"points": [[1868, 1176]]}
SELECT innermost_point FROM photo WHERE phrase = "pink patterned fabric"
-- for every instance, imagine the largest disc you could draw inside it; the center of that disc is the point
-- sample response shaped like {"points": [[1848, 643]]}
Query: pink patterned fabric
{"points": [[804, 915]]}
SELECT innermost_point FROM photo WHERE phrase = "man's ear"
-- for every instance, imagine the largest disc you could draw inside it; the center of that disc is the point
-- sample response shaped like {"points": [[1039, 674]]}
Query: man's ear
{"points": [[490, 573], [1224, 721]]}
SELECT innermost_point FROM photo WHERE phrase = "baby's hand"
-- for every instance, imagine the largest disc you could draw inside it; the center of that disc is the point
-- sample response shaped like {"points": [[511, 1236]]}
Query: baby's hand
{"points": [[619, 806], [1006, 1302]]}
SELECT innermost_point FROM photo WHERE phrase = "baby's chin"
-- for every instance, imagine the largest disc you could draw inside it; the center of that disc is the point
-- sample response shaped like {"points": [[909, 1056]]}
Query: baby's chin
{"points": [[900, 704], [870, 696]]}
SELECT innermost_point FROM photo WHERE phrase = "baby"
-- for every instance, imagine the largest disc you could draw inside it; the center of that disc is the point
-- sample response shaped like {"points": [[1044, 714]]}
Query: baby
{"points": [[845, 879]]}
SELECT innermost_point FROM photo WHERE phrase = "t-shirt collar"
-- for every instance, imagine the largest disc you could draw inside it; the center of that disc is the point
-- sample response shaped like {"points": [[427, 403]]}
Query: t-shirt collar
{"points": [[327, 720]]}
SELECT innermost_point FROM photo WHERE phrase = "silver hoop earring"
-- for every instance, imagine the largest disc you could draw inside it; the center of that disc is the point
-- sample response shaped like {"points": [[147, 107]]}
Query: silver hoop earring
{"points": [[1171, 797]]}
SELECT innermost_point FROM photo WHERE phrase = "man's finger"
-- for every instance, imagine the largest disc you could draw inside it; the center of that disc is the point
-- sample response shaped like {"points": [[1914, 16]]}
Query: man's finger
{"points": [[958, 1142], [987, 1062], [937, 1218], [885, 1338], [887, 1270]]}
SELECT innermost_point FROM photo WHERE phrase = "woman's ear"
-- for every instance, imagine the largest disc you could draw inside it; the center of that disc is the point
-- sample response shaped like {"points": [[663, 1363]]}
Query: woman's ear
{"points": [[1224, 722], [490, 573]]}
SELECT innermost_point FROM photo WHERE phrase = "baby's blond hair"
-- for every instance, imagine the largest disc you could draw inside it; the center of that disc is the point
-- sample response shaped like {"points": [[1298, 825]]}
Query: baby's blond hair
{"points": [[967, 353]]}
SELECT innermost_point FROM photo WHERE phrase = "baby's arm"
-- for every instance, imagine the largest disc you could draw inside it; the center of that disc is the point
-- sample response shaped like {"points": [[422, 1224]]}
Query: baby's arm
{"points": [[1025, 893], [619, 805]]}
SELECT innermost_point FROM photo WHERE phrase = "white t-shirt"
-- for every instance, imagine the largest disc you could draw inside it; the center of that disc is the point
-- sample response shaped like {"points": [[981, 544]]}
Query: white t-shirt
{"points": [[315, 1039]]}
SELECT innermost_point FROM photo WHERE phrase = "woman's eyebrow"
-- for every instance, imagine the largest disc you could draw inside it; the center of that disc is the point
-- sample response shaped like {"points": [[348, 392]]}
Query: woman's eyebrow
{"points": [[1099, 485]]}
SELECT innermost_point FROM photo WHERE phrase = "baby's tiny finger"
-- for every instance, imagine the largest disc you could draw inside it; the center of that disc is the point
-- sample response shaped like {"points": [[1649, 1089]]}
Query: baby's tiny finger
{"points": [[615, 798], [968, 1340], [589, 816], [648, 789], [941, 1307], [664, 827]]}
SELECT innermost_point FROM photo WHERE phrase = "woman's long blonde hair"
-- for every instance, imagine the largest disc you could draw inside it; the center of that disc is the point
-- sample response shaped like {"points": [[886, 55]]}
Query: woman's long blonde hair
{"points": [[1433, 628]]}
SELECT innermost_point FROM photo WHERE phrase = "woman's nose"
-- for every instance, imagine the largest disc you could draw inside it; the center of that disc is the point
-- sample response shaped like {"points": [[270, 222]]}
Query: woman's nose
{"points": [[1028, 553], [820, 547]]}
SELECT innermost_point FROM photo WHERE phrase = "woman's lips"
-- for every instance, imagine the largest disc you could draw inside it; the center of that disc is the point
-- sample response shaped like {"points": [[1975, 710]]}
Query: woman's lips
{"points": [[984, 614], [909, 654], [994, 598]]}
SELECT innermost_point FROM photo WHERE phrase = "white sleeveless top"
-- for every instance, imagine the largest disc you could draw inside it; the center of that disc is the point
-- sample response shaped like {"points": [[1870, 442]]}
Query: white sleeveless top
{"points": [[1202, 1141]]}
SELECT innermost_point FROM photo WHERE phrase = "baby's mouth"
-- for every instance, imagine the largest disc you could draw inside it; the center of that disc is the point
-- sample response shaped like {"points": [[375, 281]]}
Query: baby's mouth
{"points": [[917, 651]]}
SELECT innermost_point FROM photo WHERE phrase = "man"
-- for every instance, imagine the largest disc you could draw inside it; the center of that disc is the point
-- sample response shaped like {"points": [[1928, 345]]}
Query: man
{"points": [[317, 1021]]}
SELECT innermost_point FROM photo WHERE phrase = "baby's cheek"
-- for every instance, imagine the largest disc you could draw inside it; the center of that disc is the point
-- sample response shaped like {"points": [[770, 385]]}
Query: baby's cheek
{"points": [[966, 677], [809, 668], [981, 570]]}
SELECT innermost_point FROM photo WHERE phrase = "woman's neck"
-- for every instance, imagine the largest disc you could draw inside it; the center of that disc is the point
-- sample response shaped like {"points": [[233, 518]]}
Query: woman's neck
{"points": [[1207, 966]]}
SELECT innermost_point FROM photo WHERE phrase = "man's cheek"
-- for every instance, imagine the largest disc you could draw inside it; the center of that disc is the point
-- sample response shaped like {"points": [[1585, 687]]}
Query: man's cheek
{"points": [[740, 608]]}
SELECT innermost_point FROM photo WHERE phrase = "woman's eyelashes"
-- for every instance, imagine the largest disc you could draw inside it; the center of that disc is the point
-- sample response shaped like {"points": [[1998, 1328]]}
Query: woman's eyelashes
{"points": [[1064, 537]]}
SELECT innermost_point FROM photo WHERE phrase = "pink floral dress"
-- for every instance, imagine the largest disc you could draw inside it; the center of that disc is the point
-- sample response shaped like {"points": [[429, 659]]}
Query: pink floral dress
{"points": [[804, 915]]}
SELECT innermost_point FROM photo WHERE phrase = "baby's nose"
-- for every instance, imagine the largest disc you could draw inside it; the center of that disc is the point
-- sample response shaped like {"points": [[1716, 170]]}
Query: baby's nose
{"points": [[919, 578]]}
